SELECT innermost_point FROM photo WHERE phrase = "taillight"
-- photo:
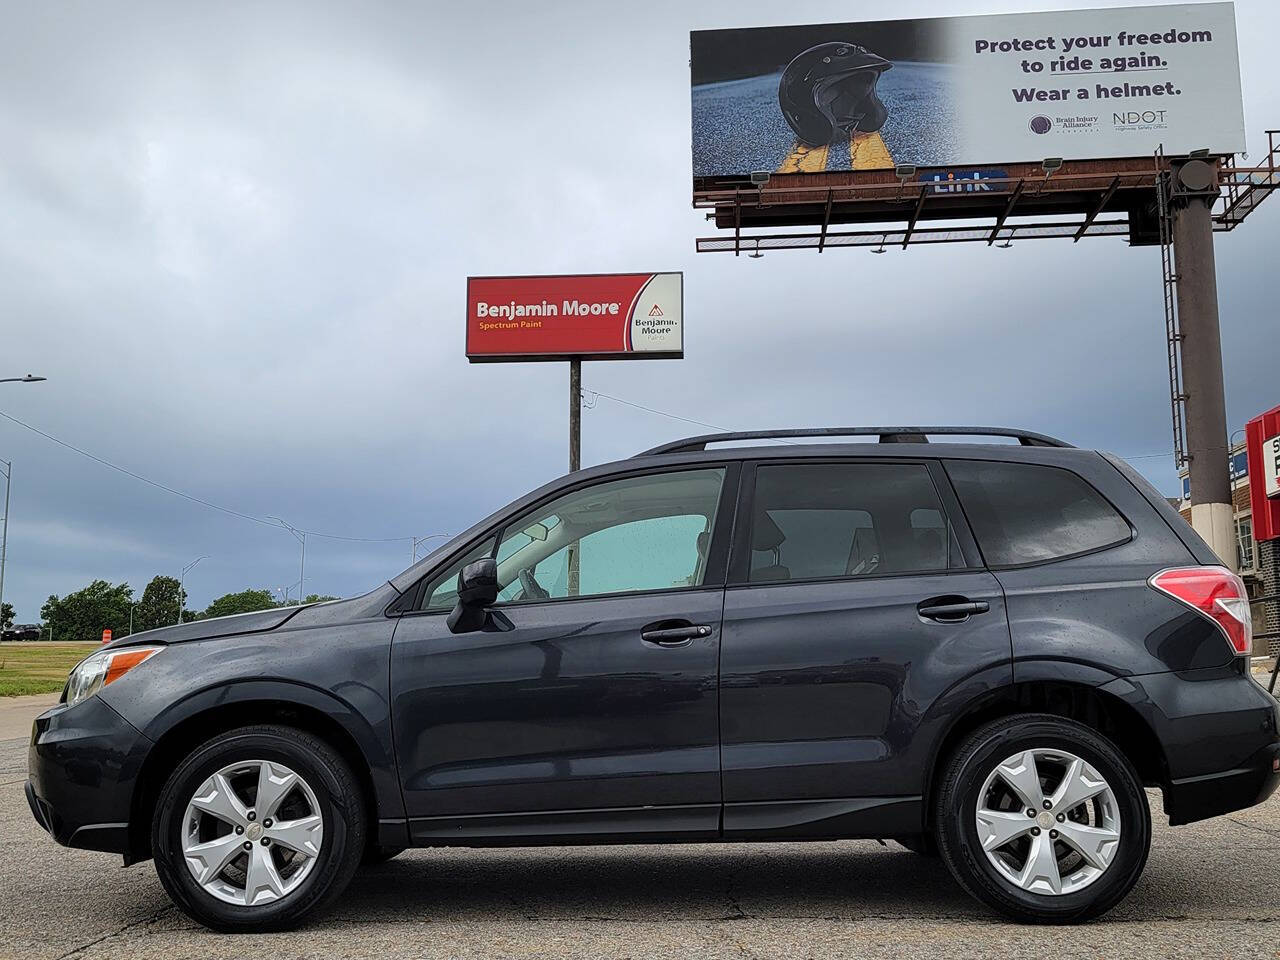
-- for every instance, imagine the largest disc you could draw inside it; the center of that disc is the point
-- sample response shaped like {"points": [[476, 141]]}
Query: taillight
{"points": [[1215, 592]]}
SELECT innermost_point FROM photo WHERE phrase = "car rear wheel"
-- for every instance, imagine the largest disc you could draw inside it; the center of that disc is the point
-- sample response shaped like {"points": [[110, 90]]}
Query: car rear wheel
{"points": [[1043, 819], [257, 828]]}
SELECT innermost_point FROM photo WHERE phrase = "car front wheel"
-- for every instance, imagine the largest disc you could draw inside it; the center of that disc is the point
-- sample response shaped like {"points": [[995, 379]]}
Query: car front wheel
{"points": [[1043, 819], [257, 828]]}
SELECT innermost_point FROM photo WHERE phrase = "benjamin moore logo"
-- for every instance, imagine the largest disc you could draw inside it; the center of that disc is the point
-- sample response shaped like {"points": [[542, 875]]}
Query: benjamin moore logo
{"points": [[656, 311], [1040, 124]]}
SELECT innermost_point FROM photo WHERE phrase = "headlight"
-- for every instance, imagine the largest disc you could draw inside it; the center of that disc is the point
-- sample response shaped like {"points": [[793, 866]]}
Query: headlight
{"points": [[93, 673]]}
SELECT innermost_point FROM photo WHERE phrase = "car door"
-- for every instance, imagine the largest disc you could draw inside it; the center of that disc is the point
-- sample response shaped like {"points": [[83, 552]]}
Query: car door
{"points": [[589, 704], [856, 608]]}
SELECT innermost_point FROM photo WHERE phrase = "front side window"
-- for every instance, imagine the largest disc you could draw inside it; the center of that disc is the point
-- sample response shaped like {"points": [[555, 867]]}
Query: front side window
{"points": [[1029, 513], [637, 534], [441, 591], [834, 520]]}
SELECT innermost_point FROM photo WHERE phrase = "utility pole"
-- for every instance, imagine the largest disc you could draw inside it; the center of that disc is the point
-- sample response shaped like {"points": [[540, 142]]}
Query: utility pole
{"points": [[301, 537], [4, 536], [1194, 190]]}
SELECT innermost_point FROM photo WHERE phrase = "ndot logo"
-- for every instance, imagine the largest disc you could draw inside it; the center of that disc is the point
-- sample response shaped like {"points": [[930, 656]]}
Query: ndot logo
{"points": [[1130, 118], [1040, 124]]}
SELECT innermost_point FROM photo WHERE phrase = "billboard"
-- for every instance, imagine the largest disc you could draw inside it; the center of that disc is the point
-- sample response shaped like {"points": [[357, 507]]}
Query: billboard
{"points": [[609, 316], [945, 91]]}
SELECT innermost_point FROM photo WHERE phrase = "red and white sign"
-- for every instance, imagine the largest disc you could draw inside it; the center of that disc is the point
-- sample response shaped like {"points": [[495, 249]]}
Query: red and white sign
{"points": [[1262, 440], [613, 316]]}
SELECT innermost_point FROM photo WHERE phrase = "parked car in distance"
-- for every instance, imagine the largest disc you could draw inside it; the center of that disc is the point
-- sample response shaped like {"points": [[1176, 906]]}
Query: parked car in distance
{"points": [[985, 648], [22, 631]]}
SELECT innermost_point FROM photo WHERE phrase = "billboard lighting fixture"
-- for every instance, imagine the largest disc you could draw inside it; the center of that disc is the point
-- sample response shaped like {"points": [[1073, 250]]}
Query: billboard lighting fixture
{"points": [[759, 177], [1006, 245], [1050, 164], [756, 254], [905, 171], [1202, 152]]}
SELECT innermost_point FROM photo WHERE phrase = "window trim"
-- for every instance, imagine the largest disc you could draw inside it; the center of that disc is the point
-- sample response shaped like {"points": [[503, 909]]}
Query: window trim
{"points": [[1133, 531], [740, 561], [717, 554]]}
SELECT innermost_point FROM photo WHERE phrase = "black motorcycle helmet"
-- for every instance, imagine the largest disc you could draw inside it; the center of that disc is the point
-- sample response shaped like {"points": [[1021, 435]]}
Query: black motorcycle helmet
{"points": [[831, 89]]}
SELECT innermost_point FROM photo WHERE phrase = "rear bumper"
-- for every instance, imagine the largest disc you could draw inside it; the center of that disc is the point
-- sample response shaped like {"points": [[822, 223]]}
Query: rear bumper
{"points": [[1219, 732], [1198, 798], [82, 767]]}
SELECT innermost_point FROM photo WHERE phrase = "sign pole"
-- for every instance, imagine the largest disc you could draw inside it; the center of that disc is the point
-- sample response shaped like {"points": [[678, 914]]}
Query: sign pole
{"points": [[575, 414], [575, 453]]}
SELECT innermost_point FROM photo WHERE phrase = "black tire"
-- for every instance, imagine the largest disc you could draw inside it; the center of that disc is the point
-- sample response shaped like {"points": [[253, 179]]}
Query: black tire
{"points": [[374, 854], [920, 843], [962, 777], [342, 811]]}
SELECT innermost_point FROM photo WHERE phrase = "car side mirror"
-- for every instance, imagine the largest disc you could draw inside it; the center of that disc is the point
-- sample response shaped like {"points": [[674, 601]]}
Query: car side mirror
{"points": [[477, 591]]}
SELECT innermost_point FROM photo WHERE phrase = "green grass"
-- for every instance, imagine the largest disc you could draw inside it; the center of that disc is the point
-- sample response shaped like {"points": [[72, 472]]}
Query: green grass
{"points": [[27, 668]]}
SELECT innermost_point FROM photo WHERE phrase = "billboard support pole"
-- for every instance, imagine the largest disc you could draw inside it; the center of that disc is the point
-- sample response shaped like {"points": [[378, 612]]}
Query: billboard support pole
{"points": [[1195, 188]]}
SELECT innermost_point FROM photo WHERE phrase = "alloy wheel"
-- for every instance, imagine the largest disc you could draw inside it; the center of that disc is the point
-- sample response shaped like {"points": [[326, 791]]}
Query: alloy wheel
{"points": [[252, 832], [1048, 821]]}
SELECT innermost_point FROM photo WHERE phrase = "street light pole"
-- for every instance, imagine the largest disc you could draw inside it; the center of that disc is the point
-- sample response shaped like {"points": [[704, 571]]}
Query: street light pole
{"points": [[4, 536], [301, 537], [182, 579], [8, 470], [419, 541]]}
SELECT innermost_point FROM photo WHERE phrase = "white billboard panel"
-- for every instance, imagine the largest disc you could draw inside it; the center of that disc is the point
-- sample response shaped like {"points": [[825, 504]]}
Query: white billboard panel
{"points": [[1005, 88]]}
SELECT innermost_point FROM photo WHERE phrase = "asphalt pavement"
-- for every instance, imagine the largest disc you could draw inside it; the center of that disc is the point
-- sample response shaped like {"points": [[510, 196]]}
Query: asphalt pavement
{"points": [[1210, 890]]}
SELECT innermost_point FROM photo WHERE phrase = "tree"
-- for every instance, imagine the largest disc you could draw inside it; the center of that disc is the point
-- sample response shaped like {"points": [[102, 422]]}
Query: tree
{"points": [[6, 616], [160, 603], [319, 598], [246, 601], [83, 615]]}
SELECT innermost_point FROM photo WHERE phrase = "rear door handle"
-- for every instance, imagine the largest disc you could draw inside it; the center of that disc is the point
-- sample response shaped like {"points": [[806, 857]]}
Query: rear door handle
{"points": [[674, 636], [952, 611]]}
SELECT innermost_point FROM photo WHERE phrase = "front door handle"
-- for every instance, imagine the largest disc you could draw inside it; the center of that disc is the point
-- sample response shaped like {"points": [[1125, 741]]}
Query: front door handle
{"points": [[668, 634], [951, 609]]}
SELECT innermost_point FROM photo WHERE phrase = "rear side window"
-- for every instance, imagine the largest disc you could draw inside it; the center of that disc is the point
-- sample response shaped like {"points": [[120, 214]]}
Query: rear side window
{"points": [[835, 520], [1028, 513]]}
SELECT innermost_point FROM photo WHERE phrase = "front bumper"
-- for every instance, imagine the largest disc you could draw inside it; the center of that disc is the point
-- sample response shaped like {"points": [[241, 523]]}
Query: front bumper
{"points": [[82, 767]]}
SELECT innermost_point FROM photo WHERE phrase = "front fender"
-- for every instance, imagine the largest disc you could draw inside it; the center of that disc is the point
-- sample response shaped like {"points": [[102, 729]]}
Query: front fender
{"points": [[351, 715]]}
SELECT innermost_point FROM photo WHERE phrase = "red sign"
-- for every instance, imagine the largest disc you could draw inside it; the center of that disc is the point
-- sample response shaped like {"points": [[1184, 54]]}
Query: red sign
{"points": [[106, 636], [1262, 440], [588, 316]]}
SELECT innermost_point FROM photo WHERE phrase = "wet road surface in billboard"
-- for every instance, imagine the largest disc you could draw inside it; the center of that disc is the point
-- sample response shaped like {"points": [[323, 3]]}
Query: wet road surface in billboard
{"points": [[739, 128]]}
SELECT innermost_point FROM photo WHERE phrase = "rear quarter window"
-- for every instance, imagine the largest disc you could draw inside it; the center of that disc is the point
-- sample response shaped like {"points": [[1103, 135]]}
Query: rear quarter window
{"points": [[1028, 513]]}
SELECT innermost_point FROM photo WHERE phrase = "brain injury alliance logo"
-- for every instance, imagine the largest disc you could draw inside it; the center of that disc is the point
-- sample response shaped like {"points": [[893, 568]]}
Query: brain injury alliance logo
{"points": [[1040, 124]]}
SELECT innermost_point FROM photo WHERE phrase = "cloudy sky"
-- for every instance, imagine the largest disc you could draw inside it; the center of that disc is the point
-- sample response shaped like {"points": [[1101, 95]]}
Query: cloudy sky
{"points": [[235, 238]]}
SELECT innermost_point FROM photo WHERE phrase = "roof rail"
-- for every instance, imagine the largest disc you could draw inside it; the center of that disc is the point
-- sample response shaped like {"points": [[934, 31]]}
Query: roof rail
{"points": [[886, 435]]}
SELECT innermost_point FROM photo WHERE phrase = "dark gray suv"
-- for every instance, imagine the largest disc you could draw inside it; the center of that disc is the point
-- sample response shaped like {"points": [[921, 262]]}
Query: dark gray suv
{"points": [[985, 650]]}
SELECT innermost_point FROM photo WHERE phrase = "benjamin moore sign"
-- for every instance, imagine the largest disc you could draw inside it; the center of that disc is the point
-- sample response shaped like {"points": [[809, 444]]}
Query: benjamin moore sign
{"points": [[591, 316], [955, 91]]}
